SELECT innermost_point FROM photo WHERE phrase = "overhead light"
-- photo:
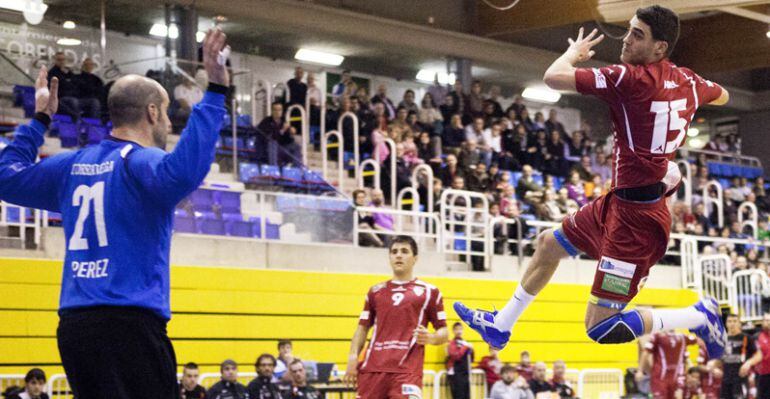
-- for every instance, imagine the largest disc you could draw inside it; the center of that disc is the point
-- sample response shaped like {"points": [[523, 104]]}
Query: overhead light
{"points": [[696, 143], [33, 10], [319, 57], [161, 30], [543, 95], [768, 33], [427, 75], [68, 25], [68, 41], [199, 36], [693, 131]]}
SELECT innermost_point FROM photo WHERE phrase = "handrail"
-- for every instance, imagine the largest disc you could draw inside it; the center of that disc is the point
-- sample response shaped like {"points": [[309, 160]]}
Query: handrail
{"points": [[392, 148], [340, 156], [360, 173], [449, 212], [752, 161], [752, 220], [687, 181], [303, 127], [266, 87], [423, 231], [415, 198], [585, 372], [747, 287], [234, 121], [428, 171], [16, 67], [491, 239], [718, 202], [356, 144]]}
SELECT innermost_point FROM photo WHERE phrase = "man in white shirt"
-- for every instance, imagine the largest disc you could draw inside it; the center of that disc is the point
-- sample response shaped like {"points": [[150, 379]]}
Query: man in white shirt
{"points": [[510, 387]]}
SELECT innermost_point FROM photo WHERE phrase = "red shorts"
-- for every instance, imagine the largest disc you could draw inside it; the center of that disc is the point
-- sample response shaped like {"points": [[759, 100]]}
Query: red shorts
{"points": [[665, 388], [627, 238], [389, 386]]}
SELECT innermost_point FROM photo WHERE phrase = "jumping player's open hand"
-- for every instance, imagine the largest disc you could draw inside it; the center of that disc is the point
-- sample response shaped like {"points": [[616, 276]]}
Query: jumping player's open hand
{"points": [[214, 44], [46, 99], [580, 48]]}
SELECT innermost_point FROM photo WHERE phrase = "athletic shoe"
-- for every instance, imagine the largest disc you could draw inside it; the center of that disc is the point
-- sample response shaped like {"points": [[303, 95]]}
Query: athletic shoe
{"points": [[713, 332], [484, 323]]}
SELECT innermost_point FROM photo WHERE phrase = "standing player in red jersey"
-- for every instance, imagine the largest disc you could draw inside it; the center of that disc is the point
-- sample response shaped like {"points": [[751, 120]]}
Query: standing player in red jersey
{"points": [[652, 103], [664, 359], [398, 311]]}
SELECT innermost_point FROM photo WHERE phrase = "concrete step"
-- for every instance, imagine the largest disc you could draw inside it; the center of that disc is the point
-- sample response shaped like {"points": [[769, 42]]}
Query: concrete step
{"points": [[14, 112]]}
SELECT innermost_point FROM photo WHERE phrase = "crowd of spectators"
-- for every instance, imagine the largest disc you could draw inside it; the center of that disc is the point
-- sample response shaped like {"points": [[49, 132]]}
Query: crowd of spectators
{"points": [[80, 95]]}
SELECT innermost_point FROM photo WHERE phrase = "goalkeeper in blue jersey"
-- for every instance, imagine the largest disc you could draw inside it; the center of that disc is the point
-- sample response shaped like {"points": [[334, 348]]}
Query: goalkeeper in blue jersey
{"points": [[117, 203]]}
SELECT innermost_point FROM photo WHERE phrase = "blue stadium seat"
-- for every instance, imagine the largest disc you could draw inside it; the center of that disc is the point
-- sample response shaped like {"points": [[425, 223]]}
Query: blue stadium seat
{"points": [[97, 133], [207, 223], [24, 96], [229, 201], [202, 200], [460, 243], [272, 233], [243, 120], [515, 176], [315, 182], [68, 134], [538, 178], [239, 228], [249, 172], [269, 174], [291, 177], [184, 224]]}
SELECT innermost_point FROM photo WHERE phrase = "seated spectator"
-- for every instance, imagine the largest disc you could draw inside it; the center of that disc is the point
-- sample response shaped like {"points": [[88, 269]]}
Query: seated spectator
{"points": [[297, 88], [538, 382], [437, 91], [475, 130], [426, 149], [510, 386], [525, 120], [478, 179], [449, 170], [584, 168], [575, 149], [34, 386], [516, 106], [553, 124], [539, 121], [460, 100], [228, 387], [279, 134], [90, 90], [471, 155], [524, 368], [475, 104], [345, 88], [188, 386], [382, 221], [509, 205], [491, 364], [408, 102], [537, 151], [299, 386], [458, 183], [263, 386], [285, 357], [493, 141], [528, 190], [453, 135], [430, 116], [576, 189], [566, 205], [548, 209], [493, 98], [365, 222], [559, 381], [601, 166], [68, 88], [382, 97], [449, 108], [555, 163], [186, 95]]}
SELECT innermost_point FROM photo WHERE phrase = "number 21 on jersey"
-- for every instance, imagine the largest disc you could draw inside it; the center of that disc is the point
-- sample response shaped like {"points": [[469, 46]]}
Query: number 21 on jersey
{"points": [[82, 197], [667, 119]]}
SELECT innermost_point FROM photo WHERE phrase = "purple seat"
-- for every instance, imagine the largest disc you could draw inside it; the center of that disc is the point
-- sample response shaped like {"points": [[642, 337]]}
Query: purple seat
{"points": [[230, 201], [184, 224], [208, 224], [68, 134], [202, 200], [239, 228], [272, 230]]}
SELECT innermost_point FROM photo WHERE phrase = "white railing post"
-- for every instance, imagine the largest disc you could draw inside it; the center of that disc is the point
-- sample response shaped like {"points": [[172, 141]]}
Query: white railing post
{"points": [[360, 173], [268, 99], [234, 129], [752, 220], [340, 156], [687, 181], [305, 131], [448, 210], [356, 143], [718, 203]]}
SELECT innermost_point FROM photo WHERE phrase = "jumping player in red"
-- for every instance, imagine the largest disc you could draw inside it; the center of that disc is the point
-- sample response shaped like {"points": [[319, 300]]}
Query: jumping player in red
{"points": [[664, 359], [652, 103], [398, 312]]}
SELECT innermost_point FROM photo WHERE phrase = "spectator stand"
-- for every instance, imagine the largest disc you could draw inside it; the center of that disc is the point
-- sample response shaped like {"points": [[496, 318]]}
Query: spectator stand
{"points": [[424, 227], [17, 222], [749, 289], [11, 380]]}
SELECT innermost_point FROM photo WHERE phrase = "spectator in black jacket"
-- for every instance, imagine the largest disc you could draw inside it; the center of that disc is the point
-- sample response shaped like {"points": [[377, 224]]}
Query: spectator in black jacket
{"points": [[274, 132], [34, 385], [90, 89], [299, 385], [228, 387], [263, 387], [297, 88], [188, 386], [68, 90]]}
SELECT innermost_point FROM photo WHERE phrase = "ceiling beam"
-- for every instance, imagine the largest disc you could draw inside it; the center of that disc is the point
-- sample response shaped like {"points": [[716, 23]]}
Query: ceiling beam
{"points": [[529, 15], [742, 12], [623, 10]]}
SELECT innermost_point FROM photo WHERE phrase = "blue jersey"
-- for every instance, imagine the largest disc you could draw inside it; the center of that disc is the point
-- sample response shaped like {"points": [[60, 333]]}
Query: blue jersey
{"points": [[117, 203]]}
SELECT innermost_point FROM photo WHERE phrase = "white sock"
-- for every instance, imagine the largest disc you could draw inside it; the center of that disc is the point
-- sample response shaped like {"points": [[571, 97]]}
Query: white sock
{"points": [[507, 317], [666, 319]]}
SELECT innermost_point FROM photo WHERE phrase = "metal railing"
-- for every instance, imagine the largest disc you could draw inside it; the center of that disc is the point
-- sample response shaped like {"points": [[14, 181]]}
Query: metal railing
{"points": [[717, 202], [716, 277], [304, 127], [11, 380], [748, 288], [339, 145], [21, 222], [465, 225], [423, 226], [600, 383], [752, 219], [722, 157]]}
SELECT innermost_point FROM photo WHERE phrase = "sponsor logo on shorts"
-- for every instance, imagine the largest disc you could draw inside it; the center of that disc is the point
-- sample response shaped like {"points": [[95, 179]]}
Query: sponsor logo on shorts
{"points": [[412, 391], [617, 267], [615, 284]]}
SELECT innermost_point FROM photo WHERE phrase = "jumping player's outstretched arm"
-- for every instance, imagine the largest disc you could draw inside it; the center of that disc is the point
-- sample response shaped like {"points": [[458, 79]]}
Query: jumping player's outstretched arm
{"points": [[170, 177], [561, 74], [22, 181]]}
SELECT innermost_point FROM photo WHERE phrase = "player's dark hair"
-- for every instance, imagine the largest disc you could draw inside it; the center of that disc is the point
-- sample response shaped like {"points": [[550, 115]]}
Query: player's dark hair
{"points": [[35, 374], [283, 342], [457, 323], [404, 240], [276, 102], [693, 370], [664, 24], [265, 356], [191, 366], [356, 192], [295, 361], [506, 368]]}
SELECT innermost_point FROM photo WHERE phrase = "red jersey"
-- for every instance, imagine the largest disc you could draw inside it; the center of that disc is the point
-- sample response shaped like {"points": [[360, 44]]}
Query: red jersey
{"points": [[394, 310], [763, 344], [652, 107], [669, 351]]}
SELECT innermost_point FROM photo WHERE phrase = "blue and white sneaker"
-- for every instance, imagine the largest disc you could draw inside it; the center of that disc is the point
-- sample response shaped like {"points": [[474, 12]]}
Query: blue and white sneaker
{"points": [[713, 332], [484, 323]]}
